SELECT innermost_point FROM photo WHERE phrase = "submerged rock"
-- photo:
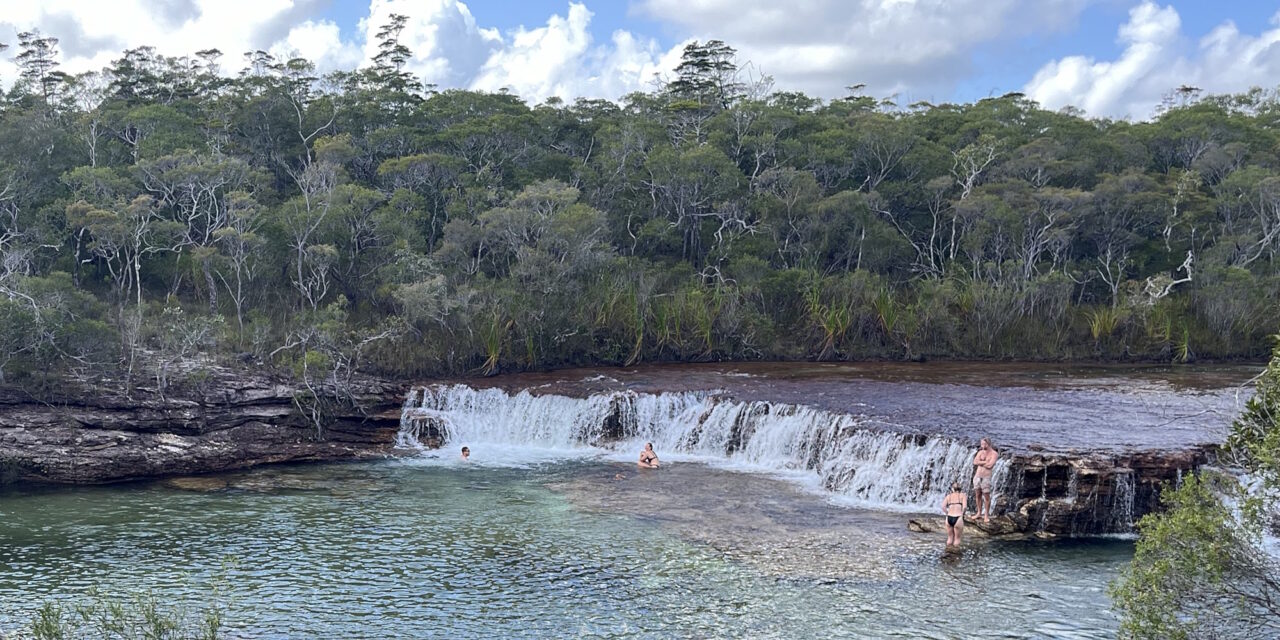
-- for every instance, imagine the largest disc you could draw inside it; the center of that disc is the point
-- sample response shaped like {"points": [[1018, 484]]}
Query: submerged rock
{"points": [[920, 525], [999, 526], [202, 484]]}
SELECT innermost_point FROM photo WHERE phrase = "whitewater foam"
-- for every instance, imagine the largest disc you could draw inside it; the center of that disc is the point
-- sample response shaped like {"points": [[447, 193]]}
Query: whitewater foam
{"points": [[836, 454]]}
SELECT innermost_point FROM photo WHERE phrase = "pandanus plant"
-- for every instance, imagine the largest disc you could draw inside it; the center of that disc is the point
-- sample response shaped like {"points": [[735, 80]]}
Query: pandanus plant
{"points": [[834, 320], [493, 334]]}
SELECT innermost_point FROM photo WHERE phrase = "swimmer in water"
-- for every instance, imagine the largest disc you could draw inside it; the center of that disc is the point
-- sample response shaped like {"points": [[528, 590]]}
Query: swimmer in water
{"points": [[648, 458], [954, 506], [466, 454]]}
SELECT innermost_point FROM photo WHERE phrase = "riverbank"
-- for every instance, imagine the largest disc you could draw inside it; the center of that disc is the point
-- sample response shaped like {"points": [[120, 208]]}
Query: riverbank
{"points": [[91, 432]]}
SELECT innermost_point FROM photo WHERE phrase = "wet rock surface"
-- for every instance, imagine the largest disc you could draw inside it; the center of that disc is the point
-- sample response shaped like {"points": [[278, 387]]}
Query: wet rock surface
{"points": [[777, 529], [1089, 493], [83, 433], [1076, 495]]}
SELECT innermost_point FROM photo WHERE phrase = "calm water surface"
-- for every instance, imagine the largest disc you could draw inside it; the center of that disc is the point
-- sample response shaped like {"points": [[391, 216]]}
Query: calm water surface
{"points": [[433, 548]]}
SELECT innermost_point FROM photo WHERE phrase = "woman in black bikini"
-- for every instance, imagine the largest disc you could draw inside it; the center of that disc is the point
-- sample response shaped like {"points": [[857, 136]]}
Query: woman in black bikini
{"points": [[954, 506], [648, 458]]}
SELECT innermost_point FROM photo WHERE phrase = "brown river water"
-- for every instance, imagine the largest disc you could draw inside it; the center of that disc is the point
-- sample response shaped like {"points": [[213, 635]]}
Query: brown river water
{"points": [[1057, 407]]}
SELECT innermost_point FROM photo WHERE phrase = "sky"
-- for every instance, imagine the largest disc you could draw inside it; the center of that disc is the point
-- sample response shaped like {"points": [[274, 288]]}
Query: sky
{"points": [[1111, 58]]}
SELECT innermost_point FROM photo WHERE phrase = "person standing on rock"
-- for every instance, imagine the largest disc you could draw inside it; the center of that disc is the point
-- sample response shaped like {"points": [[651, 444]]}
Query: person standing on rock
{"points": [[983, 461], [953, 506]]}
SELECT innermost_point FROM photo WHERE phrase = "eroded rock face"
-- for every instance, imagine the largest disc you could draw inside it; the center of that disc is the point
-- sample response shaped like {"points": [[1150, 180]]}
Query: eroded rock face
{"points": [[1089, 494], [94, 433]]}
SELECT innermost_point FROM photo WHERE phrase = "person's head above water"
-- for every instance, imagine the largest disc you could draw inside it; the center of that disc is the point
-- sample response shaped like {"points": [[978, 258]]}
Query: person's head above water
{"points": [[466, 453], [648, 446]]}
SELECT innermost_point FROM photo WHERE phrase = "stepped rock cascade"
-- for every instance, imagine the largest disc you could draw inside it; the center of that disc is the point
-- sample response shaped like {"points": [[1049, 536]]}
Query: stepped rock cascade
{"points": [[1066, 494]]}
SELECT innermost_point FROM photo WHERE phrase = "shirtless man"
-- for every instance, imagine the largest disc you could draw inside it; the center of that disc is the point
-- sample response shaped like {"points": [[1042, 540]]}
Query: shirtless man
{"points": [[648, 458], [466, 454], [983, 461]]}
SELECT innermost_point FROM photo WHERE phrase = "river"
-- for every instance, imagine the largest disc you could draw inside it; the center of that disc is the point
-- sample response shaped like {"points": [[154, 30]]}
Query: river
{"points": [[549, 533]]}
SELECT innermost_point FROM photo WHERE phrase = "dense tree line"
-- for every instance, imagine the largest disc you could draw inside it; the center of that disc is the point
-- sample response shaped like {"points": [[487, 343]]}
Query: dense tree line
{"points": [[161, 208]]}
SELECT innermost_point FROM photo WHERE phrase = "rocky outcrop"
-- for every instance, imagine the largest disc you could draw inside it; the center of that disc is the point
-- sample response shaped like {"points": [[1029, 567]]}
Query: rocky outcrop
{"points": [[1088, 494], [1077, 494], [93, 432]]}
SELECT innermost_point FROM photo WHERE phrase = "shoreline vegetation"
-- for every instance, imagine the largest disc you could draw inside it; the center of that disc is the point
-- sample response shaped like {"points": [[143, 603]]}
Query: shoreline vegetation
{"points": [[166, 211]]}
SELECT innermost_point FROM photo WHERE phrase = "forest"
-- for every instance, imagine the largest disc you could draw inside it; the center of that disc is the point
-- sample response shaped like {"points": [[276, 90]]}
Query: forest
{"points": [[166, 211]]}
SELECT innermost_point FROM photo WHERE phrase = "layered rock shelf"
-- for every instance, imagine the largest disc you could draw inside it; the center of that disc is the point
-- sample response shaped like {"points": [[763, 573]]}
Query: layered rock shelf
{"points": [[1051, 493], [93, 432], [1084, 493]]}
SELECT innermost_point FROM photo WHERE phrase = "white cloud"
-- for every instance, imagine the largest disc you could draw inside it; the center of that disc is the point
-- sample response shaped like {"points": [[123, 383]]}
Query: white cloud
{"points": [[92, 34], [1156, 59], [893, 46], [448, 46], [559, 60], [919, 49], [319, 42], [817, 46]]}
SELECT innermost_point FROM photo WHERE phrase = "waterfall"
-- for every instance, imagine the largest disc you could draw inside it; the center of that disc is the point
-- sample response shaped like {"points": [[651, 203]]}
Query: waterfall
{"points": [[1121, 513], [410, 434], [835, 451]]}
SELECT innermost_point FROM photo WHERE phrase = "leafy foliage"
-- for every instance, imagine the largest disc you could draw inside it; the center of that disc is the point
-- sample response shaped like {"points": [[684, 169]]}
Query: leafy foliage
{"points": [[1201, 569], [364, 218], [101, 616], [1255, 435]]}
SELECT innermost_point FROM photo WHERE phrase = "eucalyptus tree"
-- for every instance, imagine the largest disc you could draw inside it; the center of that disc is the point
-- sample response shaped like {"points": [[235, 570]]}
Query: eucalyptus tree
{"points": [[193, 189], [1126, 210], [706, 82], [240, 243], [37, 61], [689, 189]]}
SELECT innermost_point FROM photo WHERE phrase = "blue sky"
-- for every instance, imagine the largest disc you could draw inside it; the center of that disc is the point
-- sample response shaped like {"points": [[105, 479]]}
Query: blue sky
{"points": [[1007, 66], [996, 67], [1113, 58]]}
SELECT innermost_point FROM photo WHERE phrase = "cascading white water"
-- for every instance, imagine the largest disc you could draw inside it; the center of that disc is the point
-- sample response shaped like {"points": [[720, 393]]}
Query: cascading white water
{"points": [[873, 468], [1121, 514]]}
